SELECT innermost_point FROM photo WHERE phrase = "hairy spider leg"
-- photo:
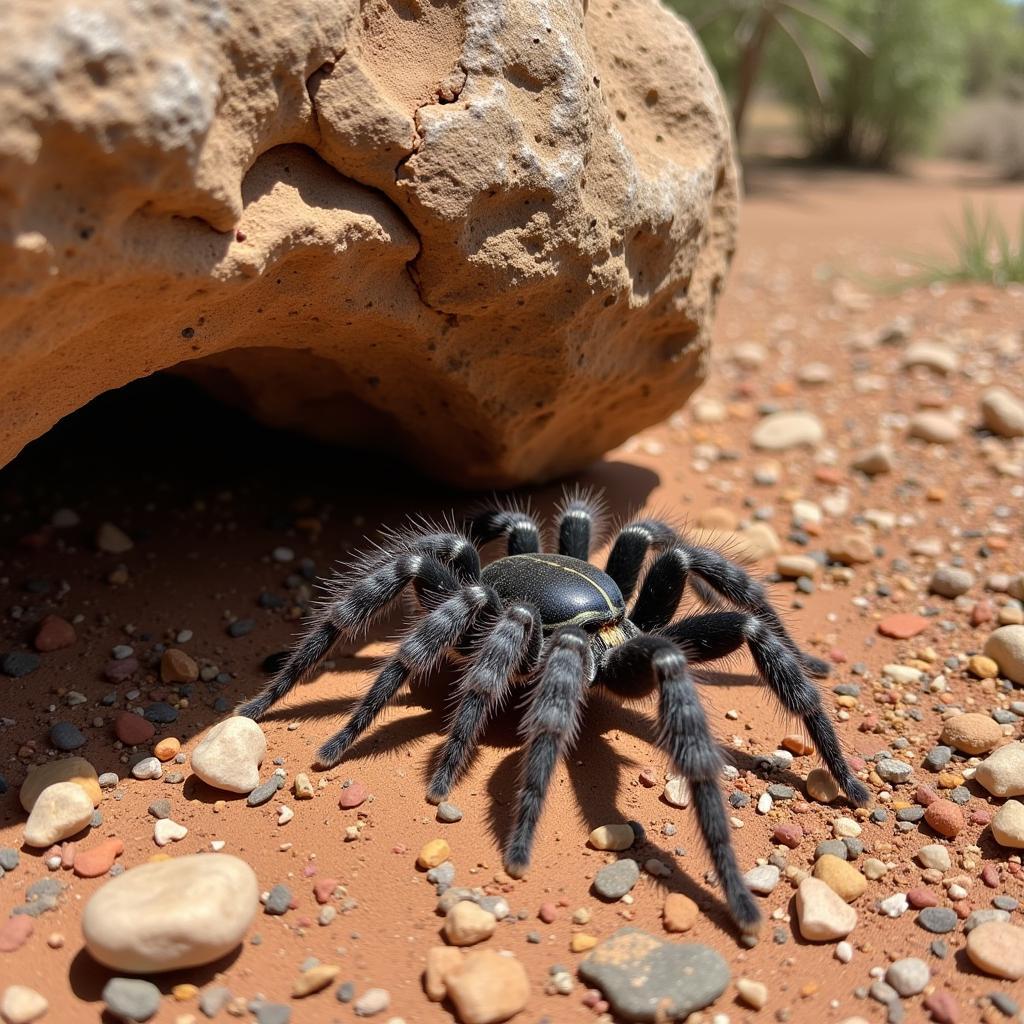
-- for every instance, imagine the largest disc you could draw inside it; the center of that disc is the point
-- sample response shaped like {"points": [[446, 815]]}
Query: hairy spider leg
{"points": [[633, 670], [579, 518], [420, 652], [348, 613], [705, 637], [509, 648], [549, 728], [518, 527], [632, 545]]}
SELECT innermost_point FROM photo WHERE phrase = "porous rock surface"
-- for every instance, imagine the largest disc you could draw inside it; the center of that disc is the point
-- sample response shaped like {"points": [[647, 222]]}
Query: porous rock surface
{"points": [[486, 233]]}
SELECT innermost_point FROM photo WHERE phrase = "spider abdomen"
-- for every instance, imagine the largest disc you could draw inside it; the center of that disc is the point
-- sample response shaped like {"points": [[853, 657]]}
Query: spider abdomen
{"points": [[565, 591]]}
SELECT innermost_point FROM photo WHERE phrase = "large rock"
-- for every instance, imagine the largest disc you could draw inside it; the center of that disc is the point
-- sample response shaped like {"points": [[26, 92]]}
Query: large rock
{"points": [[488, 236], [170, 914]]}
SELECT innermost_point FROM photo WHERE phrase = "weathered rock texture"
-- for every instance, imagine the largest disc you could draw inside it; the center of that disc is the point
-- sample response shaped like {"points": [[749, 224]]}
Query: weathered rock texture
{"points": [[486, 233]]}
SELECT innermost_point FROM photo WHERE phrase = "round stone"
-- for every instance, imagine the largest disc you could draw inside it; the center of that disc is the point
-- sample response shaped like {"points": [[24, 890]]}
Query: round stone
{"points": [[1008, 825], [945, 817], [841, 877], [68, 769], [679, 913], [1002, 773], [133, 729], [131, 999], [54, 634], [353, 795], [997, 948], [1002, 413], [902, 626], [762, 879], [783, 430], [448, 813], [66, 736], [934, 427], [466, 924], [909, 976], [821, 786], [178, 667], [822, 914], [487, 987], [60, 811], [169, 914], [613, 881], [948, 581], [230, 754], [973, 733], [1006, 648]]}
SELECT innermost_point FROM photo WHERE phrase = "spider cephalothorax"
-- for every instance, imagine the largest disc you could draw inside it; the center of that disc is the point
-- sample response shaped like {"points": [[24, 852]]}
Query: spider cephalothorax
{"points": [[552, 626]]}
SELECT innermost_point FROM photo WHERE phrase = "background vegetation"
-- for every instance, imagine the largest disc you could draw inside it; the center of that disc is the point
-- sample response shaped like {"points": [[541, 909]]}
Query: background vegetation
{"points": [[871, 81]]}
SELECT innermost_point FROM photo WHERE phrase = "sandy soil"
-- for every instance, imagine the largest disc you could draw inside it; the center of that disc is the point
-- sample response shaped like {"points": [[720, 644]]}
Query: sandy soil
{"points": [[207, 498]]}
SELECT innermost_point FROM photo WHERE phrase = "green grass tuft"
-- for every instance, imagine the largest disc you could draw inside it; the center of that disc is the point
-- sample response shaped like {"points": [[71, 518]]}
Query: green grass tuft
{"points": [[983, 250]]}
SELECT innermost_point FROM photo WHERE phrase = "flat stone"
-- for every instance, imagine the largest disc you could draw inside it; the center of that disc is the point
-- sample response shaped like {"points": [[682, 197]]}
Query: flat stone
{"points": [[67, 769], [448, 813], [937, 920], [352, 795], [677, 792], [903, 626], [1002, 772], [230, 754], [613, 881], [372, 1002], [131, 999], [265, 791], [15, 932], [934, 855], [645, 979], [781, 431], [997, 948], [165, 915], [823, 915], [487, 987], [762, 879], [60, 811], [891, 770], [98, 859], [973, 733]]}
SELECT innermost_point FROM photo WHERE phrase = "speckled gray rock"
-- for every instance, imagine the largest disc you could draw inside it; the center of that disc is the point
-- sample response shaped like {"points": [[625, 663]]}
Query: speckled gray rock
{"points": [[894, 771], [937, 920], [645, 979], [265, 791], [763, 878], [213, 999], [908, 976], [131, 999], [278, 900], [613, 881]]}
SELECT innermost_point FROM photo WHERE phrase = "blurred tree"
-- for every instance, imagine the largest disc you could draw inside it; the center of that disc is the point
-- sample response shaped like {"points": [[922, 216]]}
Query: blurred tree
{"points": [[874, 77]]}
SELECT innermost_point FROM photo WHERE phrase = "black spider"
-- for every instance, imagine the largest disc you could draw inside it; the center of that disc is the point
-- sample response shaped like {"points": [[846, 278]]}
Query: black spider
{"points": [[553, 626]]}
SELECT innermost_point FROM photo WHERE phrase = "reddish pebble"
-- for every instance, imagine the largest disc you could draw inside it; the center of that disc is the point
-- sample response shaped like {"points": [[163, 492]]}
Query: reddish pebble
{"points": [[649, 778], [990, 876], [962, 909], [945, 817], [67, 855], [99, 859], [547, 913], [869, 723], [399, 849], [309, 871], [15, 932], [117, 671], [943, 1008], [323, 889], [352, 796], [982, 612], [132, 729], [837, 657], [925, 795], [922, 898], [54, 633], [980, 817], [788, 835], [858, 764], [902, 626]]}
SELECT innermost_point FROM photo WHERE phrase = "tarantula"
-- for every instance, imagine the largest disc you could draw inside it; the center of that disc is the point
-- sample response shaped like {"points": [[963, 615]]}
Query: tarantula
{"points": [[551, 626]]}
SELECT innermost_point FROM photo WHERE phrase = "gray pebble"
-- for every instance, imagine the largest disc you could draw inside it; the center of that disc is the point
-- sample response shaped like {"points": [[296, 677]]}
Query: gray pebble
{"points": [[983, 916], [278, 900], [241, 627], [613, 881], [909, 976], [739, 799], [443, 874], [846, 690], [834, 847], [108, 780], [762, 879], [999, 902], [96, 821], [1004, 717], [937, 758], [372, 1001], [9, 858], [160, 713], [677, 977], [777, 791], [894, 771], [960, 795], [1004, 1004], [448, 813], [854, 847], [272, 1013], [19, 663], [147, 768], [937, 920], [213, 999], [939, 949], [174, 778], [913, 814], [66, 736], [265, 791], [345, 992], [160, 809], [882, 992], [879, 815], [131, 999]]}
